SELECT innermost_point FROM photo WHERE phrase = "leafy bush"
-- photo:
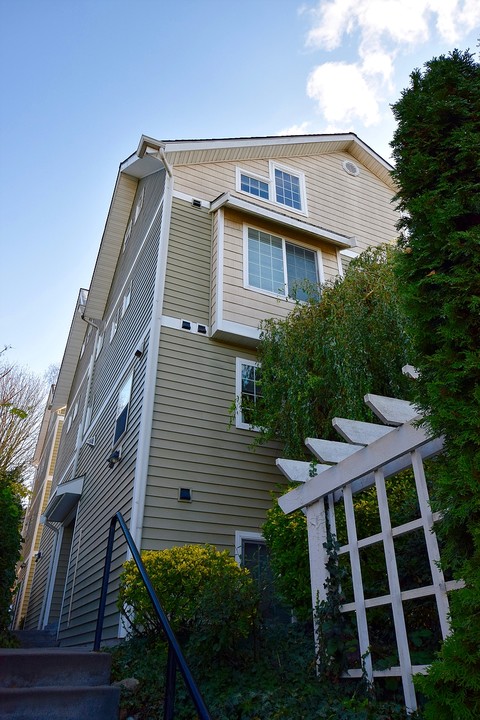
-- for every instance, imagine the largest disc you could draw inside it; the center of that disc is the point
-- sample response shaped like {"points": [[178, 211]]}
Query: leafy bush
{"points": [[279, 684], [11, 512], [322, 359], [211, 601]]}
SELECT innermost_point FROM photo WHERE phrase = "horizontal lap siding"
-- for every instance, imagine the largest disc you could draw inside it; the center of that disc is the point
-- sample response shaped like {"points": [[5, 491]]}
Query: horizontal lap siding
{"points": [[187, 283], [337, 201], [193, 447], [39, 581], [108, 490], [132, 326]]}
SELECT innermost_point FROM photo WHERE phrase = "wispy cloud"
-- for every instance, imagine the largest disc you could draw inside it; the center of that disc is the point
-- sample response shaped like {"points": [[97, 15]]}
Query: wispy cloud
{"points": [[381, 31]]}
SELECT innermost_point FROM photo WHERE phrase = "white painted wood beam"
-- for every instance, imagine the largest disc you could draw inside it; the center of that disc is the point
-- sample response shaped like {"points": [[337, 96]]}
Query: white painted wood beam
{"points": [[298, 470], [391, 411], [330, 451], [397, 443], [428, 450], [361, 433]]}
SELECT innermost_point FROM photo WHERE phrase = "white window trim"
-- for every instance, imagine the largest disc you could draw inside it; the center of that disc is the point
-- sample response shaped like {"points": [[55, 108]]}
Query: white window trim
{"points": [[270, 181], [285, 296], [139, 206], [128, 380], [239, 422], [128, 232], [115, 321], [240, 536], [301, 178], [126, 299]]}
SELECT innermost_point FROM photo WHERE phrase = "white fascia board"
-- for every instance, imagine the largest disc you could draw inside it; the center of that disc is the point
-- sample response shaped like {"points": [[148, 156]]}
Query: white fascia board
{"points": [[227, 200], [233, 328], [227, 143]]}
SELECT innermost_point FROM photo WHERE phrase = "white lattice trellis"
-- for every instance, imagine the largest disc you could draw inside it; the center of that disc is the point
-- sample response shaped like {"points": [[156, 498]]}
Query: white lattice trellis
{"points": [[371, 453]]}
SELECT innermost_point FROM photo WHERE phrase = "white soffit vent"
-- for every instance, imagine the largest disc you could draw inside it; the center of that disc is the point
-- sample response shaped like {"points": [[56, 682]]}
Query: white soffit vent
{"points": [[351, 168]]}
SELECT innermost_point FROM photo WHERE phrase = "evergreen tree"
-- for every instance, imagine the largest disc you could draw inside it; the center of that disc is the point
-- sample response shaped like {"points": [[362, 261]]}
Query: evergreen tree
{"points": [[436, 152]]}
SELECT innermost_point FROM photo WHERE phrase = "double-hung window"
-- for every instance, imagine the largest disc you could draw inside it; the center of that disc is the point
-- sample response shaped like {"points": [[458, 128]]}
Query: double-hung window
{"points": [[248, 392], [280, 267], [283, 186], [123, 404]]}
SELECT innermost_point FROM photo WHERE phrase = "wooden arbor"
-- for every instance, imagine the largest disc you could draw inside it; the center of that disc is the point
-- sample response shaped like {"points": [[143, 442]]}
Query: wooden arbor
{"points": [[372, 452]]}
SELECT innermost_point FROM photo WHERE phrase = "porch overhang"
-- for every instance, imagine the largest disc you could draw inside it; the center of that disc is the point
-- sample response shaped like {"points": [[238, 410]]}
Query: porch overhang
{"points": [[64, 499]]}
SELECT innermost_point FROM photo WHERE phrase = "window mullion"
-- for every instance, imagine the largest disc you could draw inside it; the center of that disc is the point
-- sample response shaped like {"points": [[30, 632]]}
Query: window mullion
{"points": [[285, 273]]}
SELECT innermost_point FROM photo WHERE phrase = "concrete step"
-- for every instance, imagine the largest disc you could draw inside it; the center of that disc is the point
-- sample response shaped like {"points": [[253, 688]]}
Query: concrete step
{"points": [[60, 703], [36, 638], [56, 684], [34, 667]]}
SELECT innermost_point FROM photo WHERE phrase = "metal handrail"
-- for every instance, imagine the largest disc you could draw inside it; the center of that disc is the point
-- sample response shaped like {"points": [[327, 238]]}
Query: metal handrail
{"points": [[175, 656]]}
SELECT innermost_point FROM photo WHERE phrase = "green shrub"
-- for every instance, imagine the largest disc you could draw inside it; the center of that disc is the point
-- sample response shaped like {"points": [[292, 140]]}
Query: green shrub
{"points": [[11, 512], [211, 602]]}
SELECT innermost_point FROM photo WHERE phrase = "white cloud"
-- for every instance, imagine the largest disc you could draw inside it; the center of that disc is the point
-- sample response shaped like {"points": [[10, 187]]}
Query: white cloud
{"points": [[342, 94], [300, 129], [382, 30], [399, 21]]}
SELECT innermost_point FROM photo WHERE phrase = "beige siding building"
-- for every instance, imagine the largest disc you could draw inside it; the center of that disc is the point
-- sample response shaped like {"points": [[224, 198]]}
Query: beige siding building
{"points": [[203, 240]]}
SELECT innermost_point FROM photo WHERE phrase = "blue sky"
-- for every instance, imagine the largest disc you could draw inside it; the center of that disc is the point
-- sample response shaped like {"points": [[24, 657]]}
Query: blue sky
{"points": [[81, 80]]}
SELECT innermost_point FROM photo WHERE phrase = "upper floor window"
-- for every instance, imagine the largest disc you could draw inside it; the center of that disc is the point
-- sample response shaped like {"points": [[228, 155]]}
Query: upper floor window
{"points": [[284, 186], [248, 392], [280, 267], [287, 189], [114, 325], [123, 404], [254, 186]]}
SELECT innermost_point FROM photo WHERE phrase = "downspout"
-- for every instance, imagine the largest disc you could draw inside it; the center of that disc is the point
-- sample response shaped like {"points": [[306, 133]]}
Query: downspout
{"points": [[145, 431]]}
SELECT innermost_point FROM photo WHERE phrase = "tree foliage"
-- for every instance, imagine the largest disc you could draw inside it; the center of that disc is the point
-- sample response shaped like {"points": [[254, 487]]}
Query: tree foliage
{"points": [[323, 358], [22, 395], [436, 150], [11, 512]]}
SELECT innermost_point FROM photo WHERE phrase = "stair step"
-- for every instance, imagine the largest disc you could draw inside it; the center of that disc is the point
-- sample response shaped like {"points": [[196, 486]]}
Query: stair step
{"points": [[60, 703], [33, 667], [37, 638]]}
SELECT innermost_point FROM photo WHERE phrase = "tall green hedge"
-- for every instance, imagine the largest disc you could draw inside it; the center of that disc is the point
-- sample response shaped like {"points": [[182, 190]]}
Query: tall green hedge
{"points": [[436, 151], [11, 513]]}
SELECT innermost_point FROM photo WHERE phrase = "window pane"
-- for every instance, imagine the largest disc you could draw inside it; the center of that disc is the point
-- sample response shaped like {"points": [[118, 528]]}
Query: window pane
{"points": [[287, 189], [254, 186], [265, 262], [301, 271], [251, 391]]}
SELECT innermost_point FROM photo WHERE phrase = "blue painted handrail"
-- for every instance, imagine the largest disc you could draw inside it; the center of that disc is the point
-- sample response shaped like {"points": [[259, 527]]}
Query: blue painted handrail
{"points": [[175, 656]]}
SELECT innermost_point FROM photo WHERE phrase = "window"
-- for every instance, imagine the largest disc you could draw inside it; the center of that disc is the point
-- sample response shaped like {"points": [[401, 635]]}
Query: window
{"points": [[279, 267], [98, 349], [128, 232], [123, 403], [139, 206], [283, 186], [248, 392], [126, 298], [114, 327], [287, 189], [254, 186]]}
